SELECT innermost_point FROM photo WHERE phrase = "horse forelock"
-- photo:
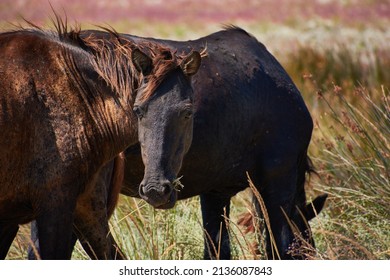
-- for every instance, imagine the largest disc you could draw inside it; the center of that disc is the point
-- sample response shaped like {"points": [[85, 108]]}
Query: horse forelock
{"points": [[164, 61]]}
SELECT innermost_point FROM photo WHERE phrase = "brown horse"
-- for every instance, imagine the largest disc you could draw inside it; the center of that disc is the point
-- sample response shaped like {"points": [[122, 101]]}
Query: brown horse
{"points": [[65, 112]]}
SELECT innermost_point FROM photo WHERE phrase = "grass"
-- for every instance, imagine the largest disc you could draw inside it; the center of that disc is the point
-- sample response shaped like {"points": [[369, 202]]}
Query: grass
{"points": [[351, 151], [146, 233], [154, 234], [349, 97]]}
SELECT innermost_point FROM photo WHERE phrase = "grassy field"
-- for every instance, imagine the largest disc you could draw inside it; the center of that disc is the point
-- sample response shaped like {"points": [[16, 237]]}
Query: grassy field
{"points": [[337, 52]]}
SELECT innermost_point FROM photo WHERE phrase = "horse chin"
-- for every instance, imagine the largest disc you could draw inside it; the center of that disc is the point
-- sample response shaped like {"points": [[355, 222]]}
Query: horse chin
{"points": [[170, 203]]}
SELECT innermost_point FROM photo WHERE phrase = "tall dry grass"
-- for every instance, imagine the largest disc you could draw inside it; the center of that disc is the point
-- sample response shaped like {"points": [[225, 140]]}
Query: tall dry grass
{"points": [[351, 150], [350, 147]]}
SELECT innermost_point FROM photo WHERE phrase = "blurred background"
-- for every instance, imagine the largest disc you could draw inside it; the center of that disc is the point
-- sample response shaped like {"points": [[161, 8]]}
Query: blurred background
{"points": [[338, 54]]}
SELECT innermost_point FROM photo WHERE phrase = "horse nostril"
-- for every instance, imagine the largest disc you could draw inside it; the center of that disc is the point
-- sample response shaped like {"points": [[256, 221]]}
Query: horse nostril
{"points": [[141, 189], [166, 189]]}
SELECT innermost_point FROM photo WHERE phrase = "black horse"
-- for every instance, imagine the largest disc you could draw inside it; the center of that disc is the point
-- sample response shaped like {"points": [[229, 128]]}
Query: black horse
{"points": [[247, 117]]}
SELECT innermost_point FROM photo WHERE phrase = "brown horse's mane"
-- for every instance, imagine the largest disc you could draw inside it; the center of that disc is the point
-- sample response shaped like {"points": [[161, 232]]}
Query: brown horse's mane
{"points": [[112, 56], [114, 65]]}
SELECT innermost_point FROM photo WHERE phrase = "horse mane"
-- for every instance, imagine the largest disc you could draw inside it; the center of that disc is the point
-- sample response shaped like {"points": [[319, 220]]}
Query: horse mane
{"points": [[112, 56], [112, 61], [232, 27]]}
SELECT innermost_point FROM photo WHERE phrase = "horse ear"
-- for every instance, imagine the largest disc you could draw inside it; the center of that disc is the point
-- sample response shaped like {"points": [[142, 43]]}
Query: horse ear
{"points": [[315, 207], [191, 63], [142, 62]]}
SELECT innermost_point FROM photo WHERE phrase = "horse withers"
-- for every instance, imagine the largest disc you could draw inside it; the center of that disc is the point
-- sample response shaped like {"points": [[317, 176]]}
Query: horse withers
{"points": [[65, 112], [248, 117]]}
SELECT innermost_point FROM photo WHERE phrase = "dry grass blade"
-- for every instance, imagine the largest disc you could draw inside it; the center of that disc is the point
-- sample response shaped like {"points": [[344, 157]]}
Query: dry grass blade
{"points": [[177, 185], [263, 208], [301, 246], [352, 244], [243, 247], [210, 242]]}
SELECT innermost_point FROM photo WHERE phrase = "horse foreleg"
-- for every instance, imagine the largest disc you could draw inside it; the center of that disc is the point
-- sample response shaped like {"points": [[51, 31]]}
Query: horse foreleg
{"points": [[89, 244], [277, 193], [91, 226], [7, 235], [215, 212], [92, 215], [55, 223], [33, 248]]}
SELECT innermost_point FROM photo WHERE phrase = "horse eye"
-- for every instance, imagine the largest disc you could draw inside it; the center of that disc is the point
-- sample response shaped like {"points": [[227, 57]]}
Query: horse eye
{"points": [[188, 114], [138, 112]]}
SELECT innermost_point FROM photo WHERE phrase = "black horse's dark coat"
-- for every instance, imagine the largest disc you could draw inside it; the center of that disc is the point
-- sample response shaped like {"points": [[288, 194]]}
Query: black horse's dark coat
{"points": [[249, 118]]}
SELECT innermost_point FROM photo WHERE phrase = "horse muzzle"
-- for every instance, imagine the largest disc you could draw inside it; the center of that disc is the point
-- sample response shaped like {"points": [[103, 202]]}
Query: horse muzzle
{"points": [[160, 195]]}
